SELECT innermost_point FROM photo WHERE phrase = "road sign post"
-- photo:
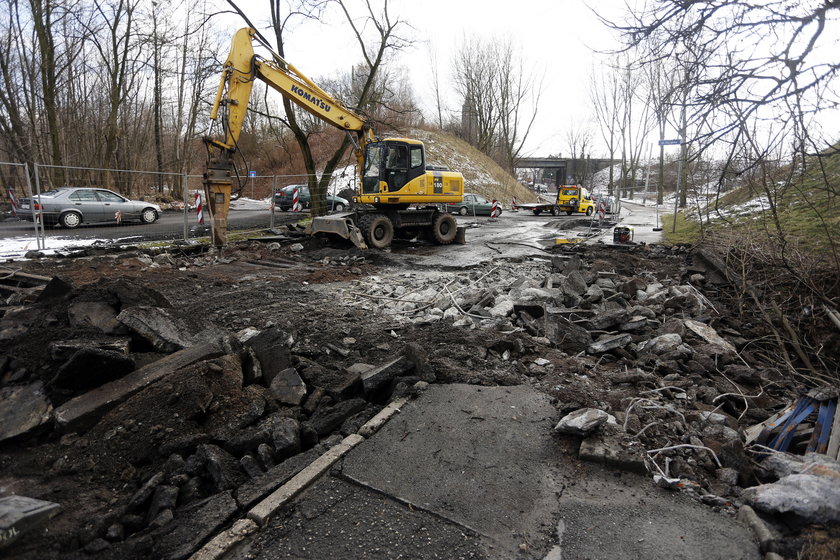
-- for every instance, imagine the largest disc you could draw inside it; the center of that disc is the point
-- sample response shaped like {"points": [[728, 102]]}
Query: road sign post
{"points": [[252, 175]]}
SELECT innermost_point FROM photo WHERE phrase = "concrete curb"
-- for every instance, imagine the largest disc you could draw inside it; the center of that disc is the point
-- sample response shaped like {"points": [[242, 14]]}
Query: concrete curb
{"points": [[224, 541], [263, 511], [374, 424], [766, 541], [260, 514]]}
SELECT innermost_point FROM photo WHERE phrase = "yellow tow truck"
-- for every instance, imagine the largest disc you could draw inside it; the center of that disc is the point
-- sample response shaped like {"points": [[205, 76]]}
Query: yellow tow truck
{"points": [[570, 199], [399, 192]]}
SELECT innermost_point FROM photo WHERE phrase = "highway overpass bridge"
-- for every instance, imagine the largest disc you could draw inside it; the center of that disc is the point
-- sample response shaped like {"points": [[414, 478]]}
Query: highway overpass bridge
{"points": [[566, 171]]}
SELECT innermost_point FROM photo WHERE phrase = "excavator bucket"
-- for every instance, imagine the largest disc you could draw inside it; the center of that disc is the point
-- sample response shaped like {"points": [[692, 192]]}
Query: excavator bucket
{"points": [[340, 224]]}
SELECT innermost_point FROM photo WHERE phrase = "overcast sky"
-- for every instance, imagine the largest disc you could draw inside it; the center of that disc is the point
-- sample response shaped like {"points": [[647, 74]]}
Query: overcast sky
{"points": [[556, 37]]}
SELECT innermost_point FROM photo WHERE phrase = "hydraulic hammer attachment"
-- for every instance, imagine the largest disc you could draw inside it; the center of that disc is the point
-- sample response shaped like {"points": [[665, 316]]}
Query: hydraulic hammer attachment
{"points": [[217, 189]]}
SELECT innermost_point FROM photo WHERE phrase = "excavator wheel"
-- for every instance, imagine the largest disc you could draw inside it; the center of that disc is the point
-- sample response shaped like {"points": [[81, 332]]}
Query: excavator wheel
{"points": [[444, 229], [377, 229]]}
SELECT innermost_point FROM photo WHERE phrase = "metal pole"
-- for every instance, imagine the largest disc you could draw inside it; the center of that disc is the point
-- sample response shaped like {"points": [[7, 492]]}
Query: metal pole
{"points": [[32, 202], [677, 195], [271, 204], [647, 175], [186, 206], [40, 235]]}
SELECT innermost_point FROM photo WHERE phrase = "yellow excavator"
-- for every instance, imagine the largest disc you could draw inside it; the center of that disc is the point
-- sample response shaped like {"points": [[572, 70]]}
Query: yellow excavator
{"points": [[398, 191]]}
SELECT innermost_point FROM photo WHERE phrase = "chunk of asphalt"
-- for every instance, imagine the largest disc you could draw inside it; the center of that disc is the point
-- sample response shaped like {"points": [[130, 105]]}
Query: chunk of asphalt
{"points": [[86, 409]]}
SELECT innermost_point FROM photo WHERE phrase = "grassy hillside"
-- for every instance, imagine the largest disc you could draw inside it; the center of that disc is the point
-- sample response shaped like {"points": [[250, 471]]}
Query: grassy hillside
{"points": [[800, 208], [482, 175]]}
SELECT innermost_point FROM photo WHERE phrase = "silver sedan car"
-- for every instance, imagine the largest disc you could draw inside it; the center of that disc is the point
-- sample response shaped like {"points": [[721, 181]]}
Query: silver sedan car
{"points": [[73, 206]]}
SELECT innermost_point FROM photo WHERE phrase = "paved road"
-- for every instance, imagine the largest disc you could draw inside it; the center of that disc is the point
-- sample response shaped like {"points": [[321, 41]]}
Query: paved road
{"points": [[478, 472], [170, 225]]}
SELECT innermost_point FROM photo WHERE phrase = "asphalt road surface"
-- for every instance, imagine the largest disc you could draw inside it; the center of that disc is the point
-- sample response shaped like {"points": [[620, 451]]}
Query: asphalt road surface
{"points": [[469, 472], [169, 226]]}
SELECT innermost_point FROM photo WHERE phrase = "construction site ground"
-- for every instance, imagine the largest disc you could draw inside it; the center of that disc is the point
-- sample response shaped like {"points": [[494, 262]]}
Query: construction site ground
{"points": [[469, 467]]}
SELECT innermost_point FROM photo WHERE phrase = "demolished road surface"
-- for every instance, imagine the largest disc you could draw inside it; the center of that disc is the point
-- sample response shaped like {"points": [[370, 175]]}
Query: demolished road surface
{"points": [[475, 472], [544, 401]]}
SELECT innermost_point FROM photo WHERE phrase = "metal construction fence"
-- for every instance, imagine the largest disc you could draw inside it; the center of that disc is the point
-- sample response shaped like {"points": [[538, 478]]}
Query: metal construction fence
{"points": [[178, 196]]}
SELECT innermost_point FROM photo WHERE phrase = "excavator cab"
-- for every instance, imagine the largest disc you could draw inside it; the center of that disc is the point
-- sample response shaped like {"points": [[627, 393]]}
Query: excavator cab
{"points": [[390, 165]]}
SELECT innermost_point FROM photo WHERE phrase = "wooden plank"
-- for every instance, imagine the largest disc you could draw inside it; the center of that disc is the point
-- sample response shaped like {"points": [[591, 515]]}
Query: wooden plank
{"points": [[833, 450]]}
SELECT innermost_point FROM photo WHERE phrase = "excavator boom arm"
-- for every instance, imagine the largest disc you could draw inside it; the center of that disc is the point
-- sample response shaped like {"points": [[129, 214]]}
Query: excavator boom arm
{"points": [[241, 69]]}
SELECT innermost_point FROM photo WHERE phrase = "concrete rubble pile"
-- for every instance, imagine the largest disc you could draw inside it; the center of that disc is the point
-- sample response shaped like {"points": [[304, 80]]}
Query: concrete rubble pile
{"points": [[659, 381], [221, 419]]}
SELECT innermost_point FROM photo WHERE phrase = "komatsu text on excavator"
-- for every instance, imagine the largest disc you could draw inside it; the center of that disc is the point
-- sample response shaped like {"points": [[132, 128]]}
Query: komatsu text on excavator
{"points": [[398, 191]]}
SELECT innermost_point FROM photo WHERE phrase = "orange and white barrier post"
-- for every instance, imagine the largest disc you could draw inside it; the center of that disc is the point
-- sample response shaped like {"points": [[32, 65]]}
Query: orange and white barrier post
{"points": [[513, 205], [494, 210], [199, 210]]}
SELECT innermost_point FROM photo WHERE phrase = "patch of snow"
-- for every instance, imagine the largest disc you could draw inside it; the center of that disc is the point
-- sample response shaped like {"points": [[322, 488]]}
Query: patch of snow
{"points": [[16, 247], [250, 204]]}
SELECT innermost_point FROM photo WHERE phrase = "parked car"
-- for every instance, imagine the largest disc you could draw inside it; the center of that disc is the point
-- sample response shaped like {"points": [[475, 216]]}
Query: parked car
{"points": [[284, 198], [473, 204], [72, 206]]}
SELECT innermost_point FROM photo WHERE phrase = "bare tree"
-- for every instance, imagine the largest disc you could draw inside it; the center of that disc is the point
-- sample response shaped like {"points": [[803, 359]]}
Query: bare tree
{"points": [[579, 136], [500, 97], [473, 68], [661, 87], [607, 102], [761, 105]]}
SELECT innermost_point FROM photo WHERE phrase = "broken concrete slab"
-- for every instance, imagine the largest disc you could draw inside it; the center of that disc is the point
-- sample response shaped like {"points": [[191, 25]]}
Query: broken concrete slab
{"points": [[98, 315], [83, 411], [16, 321], [63, 349], [583, 421], [23, 409], [56, 288], [20, 514], [376, 378], [608, 319], [608, 343], [813, 498], [327, 419], [573, 284], [272, 348], [709, 334], [288, 388], [614, 450], [661, 344], [165, 330], [338, 384]]}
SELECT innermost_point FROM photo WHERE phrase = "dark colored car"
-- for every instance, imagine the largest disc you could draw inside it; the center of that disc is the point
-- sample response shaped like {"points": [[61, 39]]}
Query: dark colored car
{"points": [[284, 198], [472, 205], [73, 206]]}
